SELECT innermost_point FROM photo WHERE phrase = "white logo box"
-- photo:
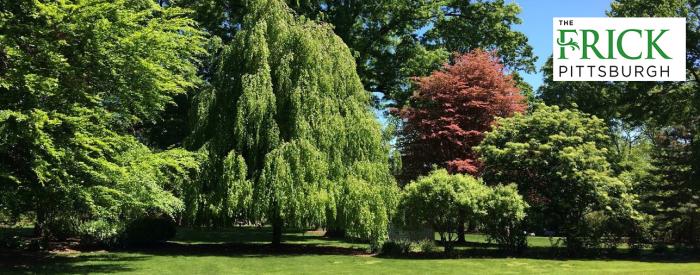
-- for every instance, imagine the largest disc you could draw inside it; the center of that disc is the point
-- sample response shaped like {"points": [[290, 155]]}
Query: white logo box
{"points": [[635, 42]]}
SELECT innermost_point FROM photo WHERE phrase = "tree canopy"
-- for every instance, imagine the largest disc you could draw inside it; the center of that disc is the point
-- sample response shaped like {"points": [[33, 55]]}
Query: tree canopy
{"points": [[393, 41], [77, 78], [451, 110], [558, 160], [122, 118], [289, 111]]}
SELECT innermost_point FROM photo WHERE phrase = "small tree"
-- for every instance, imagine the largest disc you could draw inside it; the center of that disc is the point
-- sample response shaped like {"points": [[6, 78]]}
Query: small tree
{"points": [[558, 159], [439, 199], [505, 211], [450, 111]]}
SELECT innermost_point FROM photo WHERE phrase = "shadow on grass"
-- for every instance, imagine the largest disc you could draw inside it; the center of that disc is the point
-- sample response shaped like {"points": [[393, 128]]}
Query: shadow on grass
{"points": [[244, 250], [254, 242], [13, 262], [238, 242], [258, 235], [261, 236]]}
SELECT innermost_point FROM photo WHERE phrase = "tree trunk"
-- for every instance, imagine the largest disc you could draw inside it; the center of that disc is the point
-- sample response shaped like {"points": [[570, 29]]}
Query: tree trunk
{"points": [[460, 230], [574, 246], [39, 224], [41, 229], [460, 233], [335, 232], [693, 242], [276, 228]]}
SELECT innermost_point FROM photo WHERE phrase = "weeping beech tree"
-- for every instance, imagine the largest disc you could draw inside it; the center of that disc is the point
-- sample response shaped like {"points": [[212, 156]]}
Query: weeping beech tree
{"points": [[289, 134]]}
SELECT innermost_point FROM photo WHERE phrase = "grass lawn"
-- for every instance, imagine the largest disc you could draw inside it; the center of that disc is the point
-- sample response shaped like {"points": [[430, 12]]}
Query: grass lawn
{"points": [[245, 251]]}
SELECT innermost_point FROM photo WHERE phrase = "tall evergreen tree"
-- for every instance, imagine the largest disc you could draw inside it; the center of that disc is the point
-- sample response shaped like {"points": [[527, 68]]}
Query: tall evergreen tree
{"points": [[674, 200], [288, 106]]}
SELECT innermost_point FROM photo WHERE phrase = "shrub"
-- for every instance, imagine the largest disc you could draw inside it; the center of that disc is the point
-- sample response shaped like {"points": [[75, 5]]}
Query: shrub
{"points": [[442, 201], [505, 211], [427, 246], [660, 248], [396, 248], [640, 233], [10, 242], [149, 230], [63, 227], [558, 159], [100, 233], [603, 230]]}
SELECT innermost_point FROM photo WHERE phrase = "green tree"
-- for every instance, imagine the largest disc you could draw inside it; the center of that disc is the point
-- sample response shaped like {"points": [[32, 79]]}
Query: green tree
{"points": [[654, 109], [504, 212], [443, 201], [673, 112], [76, 78], [673, 199], [389, 39], [558, 160], [287, 99]]}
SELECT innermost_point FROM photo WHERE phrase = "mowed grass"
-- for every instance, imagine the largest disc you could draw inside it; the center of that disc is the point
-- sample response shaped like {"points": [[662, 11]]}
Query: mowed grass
{"points": [[140, 263], [245, 251]]}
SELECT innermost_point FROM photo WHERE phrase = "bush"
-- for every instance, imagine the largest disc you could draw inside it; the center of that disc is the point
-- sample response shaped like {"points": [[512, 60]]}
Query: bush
{"points": [[149, 230], [640, 233], [660, 248], [63, 227], [13, 237], [505, 211], [396, 248], [604, 231], [100, 233], [442, 201], [427, 246], [559, 161], [10, 242]]}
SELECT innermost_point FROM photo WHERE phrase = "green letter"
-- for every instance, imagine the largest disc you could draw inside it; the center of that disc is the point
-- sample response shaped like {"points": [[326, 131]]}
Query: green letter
{"points": [[622, 50], [652, 43], [562, 43], [611, 53], [592, 45]]}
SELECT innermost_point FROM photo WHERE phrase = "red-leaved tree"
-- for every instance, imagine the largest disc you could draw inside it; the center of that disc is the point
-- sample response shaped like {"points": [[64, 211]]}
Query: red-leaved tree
{"points": [[451, 109]]}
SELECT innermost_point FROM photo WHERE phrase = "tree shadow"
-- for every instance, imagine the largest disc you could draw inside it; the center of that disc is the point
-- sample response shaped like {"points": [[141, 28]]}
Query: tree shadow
{"points": [[244, 235], [42, 262], [226, 243], [254, 242], [244, 250]]}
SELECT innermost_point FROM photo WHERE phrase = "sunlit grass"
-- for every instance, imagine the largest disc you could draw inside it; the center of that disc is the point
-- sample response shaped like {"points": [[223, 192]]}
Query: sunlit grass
{"points": [[246, 251]]}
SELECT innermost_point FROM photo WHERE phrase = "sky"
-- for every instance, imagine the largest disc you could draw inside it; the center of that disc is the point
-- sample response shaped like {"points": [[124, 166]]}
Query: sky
{"points": [[537, 25]]}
